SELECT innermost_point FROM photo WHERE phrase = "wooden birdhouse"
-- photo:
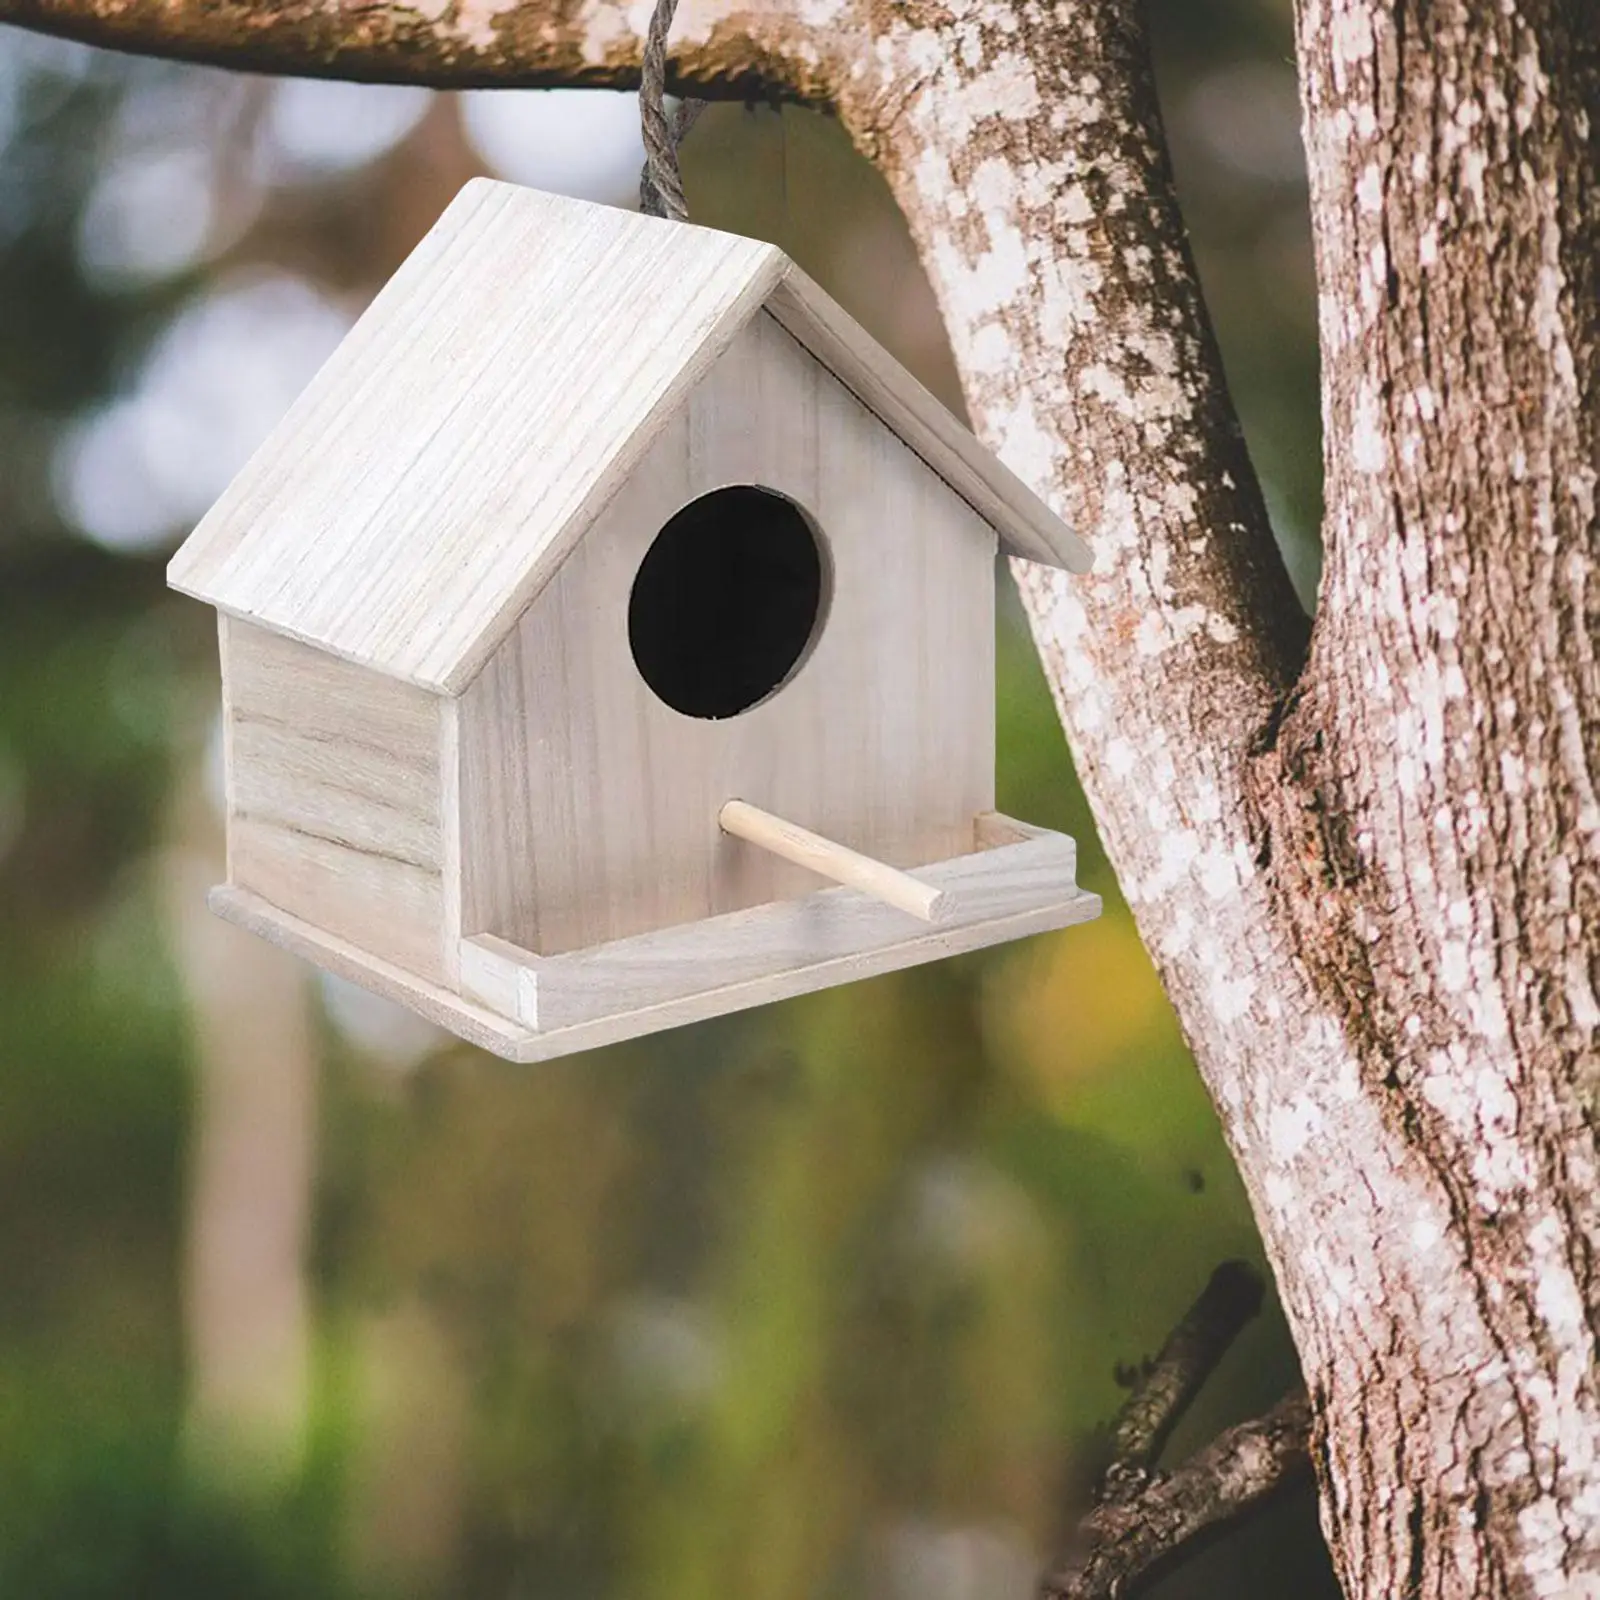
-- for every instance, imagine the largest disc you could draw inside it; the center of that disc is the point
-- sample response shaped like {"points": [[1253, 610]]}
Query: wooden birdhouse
{"points": [[608, 642]]}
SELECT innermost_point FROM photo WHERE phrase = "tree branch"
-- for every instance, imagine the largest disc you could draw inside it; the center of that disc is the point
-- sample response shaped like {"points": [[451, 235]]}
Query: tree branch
{"points": [[501, 44], [1141, 1522], [1186, 1360], [1129, 1540]]}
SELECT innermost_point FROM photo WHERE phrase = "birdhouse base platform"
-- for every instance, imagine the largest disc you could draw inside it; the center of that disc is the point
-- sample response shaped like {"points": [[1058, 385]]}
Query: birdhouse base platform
{"points": [[1019, 880]]}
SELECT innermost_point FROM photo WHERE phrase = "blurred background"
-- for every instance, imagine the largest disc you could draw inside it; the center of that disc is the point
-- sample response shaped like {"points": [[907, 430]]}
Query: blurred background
{"points": [[298, 1296]]}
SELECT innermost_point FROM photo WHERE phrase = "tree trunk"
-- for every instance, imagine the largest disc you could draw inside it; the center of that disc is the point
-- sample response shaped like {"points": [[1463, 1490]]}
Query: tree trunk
{"points": [[1374, 900], [1378, 917], [1446, 748], [1369, 871]]}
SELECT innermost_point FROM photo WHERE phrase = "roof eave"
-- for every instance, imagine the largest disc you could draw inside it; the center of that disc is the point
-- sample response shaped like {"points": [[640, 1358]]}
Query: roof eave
{"points": [[1025, 524]]}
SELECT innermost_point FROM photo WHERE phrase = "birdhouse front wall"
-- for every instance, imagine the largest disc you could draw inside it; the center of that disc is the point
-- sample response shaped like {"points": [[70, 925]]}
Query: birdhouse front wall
{"points": [[588, 805]]}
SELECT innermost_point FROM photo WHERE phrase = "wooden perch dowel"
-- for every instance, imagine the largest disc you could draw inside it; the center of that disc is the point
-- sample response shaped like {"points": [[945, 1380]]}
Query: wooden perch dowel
{"points": [[836, 861]]}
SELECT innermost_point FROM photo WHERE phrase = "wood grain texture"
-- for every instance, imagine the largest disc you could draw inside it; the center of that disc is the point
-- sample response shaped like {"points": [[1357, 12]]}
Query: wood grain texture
{"points": [[440, 466], [589, 807], [789, 947], [496, 393], [334, 796]]}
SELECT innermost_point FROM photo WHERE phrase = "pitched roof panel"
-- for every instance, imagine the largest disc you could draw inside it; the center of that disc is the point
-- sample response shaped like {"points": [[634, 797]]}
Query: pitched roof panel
{"points": [[452, 450]]}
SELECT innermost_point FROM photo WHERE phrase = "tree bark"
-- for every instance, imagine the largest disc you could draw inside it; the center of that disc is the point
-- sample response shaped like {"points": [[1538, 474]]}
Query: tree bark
{"points": [[1370, 874], [1444, 880]]}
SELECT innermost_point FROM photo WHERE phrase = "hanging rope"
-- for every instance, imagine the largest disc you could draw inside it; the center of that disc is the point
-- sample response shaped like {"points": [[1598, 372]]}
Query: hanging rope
{"points": [[661, 183]]}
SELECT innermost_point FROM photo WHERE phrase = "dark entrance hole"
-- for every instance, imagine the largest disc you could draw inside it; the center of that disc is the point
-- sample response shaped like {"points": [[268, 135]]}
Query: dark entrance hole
{"points": [[726, 601]]}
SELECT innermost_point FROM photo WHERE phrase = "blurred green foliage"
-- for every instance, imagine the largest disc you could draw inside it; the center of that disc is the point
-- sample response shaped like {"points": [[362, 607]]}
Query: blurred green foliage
{"points": [[823, 1300]]}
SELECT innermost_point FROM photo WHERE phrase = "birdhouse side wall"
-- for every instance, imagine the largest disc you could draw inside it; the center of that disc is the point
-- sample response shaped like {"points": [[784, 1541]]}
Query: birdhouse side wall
{"points": [[334, 797], [589, 806]]}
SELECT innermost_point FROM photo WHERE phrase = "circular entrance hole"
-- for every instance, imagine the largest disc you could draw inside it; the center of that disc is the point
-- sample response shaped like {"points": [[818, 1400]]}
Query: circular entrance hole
{"points": [[726, 601]]}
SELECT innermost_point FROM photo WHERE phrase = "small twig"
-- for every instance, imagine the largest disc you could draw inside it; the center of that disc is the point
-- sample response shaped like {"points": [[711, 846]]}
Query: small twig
{"points": [[1128, 1539], [1186, 1360], [1142, 1519]]}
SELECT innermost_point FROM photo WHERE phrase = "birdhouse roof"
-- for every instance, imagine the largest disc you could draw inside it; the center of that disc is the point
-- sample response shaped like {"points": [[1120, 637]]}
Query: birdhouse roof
{"points": [[454, 448]]}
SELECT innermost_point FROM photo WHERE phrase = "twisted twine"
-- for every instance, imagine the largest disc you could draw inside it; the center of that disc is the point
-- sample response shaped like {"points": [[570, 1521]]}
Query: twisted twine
{"points": [[661, 183]]}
